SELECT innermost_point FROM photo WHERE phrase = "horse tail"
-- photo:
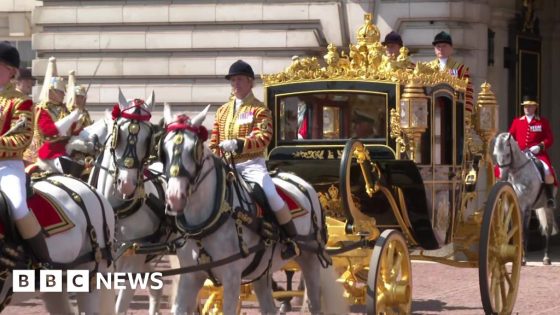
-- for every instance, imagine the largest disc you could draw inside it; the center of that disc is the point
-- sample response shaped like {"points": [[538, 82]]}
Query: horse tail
{"points": [[547, 221], [332, 292]]}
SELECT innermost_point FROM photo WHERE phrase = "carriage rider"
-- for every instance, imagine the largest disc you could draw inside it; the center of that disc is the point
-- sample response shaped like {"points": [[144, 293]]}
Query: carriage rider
{"points": [[444, 62], [243, 127], [533, 133], [54, 122], [16, 122]]}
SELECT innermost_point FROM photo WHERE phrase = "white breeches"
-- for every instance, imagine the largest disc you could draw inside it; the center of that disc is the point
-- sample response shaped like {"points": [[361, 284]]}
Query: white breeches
{"points": [[255, 171], [52, 165], [12, 183], [546, 169]]}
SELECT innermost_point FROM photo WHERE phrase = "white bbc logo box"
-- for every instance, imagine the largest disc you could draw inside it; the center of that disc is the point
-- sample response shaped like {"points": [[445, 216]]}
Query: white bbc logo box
{"points": [[50, 281]]}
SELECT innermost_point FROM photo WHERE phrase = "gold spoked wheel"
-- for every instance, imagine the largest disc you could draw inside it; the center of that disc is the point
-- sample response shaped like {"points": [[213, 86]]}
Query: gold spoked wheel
{"points": [[389, 288], [500, 250]]}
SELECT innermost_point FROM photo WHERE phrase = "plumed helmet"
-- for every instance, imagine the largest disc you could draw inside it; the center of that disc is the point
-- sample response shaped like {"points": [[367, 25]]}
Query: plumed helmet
{"points": [[240, 67], [9, 54], [529, 100], [392, 38], [442, 37], [51, 81]]}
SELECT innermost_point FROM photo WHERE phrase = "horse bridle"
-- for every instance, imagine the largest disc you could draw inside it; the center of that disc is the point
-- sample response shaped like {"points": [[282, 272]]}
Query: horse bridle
{"points": [[129, 158], [508, 139], [179, 129]]}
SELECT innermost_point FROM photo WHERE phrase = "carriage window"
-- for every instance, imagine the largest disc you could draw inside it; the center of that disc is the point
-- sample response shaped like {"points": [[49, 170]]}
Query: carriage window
{"points": [[333, 116], [443, 131]]}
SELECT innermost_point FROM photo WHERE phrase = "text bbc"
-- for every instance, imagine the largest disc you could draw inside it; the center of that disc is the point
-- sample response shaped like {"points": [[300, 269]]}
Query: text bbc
{"points": [[79, 280]]}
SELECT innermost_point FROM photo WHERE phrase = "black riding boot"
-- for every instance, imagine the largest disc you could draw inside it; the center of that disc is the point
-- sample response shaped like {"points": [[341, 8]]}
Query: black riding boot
{"points": [[549, 190], [291, 248], [32, 232]]}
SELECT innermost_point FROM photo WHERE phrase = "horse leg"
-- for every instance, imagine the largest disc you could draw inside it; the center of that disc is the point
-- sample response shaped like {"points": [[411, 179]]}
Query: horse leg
{"points": [[286, 306], [546, 223], [133, 263], [526, 221], [155, 294], [263, 291], [232, 287], [57, 303], [100, 301], [546, 258], [311, 270], [187, 293]]}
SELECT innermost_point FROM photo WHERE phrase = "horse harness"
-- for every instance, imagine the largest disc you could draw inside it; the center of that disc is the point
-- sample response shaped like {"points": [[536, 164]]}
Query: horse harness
{"points": [[538, 164], [95, 255], [129, 159]]}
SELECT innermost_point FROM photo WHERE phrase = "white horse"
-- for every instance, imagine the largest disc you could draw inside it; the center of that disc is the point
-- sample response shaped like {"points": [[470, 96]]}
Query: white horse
{"points": [[126, 135], [520, 170], [195, 191], [90, 212]]}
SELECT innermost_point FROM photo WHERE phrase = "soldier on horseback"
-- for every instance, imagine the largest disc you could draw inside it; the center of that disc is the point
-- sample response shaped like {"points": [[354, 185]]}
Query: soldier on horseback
{"points": [[54, 122], [16, 123], [533, 133], [243, 127]]}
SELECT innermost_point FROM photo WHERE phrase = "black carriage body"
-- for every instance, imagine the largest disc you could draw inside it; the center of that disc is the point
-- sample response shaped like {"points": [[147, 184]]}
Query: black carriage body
{"points": [[313, 150]]}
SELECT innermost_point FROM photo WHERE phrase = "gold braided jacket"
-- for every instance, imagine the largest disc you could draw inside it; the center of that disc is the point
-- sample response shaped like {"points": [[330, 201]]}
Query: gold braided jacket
{"points": [[251, 126], [15, 106]]}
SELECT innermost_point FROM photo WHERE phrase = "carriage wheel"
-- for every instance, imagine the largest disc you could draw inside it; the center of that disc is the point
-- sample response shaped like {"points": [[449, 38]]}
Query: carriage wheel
{"points": [[389, 289], [500, 250]]}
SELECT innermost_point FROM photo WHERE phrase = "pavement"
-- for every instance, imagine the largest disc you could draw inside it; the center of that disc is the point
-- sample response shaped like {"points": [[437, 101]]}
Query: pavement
{"points": [[437, 289]]}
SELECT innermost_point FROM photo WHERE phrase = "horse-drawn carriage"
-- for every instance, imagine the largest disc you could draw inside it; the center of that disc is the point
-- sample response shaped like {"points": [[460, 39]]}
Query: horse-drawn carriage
{"points": [[420, 186]]}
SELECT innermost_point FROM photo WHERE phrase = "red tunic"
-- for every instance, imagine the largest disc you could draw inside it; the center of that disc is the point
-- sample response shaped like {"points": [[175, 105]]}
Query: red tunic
{"points": [[534, 133], [53, 145]]}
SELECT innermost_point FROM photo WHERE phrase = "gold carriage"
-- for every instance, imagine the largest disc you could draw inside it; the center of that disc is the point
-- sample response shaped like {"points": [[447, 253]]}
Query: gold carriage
{"points": [[418, 184]]}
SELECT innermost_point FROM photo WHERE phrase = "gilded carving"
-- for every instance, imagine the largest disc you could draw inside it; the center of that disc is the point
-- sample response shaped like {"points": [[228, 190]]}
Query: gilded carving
{"points": [[310, 154], [330, 202], [365, 60]]}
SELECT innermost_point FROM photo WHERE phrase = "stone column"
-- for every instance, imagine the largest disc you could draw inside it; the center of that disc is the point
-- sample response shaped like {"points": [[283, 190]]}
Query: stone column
{"points": [[502, 12]]}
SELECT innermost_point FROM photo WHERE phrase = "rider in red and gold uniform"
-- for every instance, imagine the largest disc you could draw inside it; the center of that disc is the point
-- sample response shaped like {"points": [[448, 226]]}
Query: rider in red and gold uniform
{"points": [[243, 126], [54, 123], [16, 123], [533, 133]]}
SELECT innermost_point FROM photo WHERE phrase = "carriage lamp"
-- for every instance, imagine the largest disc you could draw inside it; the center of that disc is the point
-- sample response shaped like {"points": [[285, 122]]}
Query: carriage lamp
{"points": [[413, 114], [487, 113]]}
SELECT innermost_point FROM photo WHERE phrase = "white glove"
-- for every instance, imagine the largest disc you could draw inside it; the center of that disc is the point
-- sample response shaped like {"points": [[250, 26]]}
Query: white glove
{"points": [[535, 149], [229, 145]]}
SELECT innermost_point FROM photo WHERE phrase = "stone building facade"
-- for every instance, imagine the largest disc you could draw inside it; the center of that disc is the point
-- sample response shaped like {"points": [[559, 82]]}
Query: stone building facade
{"points": [[182, 48]]}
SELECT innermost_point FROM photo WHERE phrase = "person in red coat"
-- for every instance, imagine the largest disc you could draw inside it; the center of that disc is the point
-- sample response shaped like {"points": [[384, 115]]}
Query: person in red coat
{"points": [[533, 133], [54, 123]]}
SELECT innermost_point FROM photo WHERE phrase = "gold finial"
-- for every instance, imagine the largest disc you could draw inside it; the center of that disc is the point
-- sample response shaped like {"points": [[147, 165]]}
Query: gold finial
{"points": [[486, 96], [368, 33]]}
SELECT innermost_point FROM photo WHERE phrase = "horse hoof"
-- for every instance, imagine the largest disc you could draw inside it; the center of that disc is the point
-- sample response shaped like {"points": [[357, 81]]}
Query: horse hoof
{"points": [[546, 262], [285, 307], [523, 262]]}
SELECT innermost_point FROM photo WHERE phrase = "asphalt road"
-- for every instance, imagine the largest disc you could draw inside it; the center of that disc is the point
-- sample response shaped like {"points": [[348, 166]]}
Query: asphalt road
{"points": [[437, 289]]}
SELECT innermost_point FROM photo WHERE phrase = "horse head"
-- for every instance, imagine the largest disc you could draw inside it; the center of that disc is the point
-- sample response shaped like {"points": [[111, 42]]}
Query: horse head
{"points": [[183, 154], [507, 153], [130, 141]]}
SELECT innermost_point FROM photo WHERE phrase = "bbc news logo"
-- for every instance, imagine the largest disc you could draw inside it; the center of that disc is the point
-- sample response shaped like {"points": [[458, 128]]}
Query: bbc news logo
{"points": [[79, 280]]}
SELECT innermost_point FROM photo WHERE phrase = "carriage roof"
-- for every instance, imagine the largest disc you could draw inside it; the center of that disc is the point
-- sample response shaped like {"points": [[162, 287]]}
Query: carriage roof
{"points": [[364, 61]]}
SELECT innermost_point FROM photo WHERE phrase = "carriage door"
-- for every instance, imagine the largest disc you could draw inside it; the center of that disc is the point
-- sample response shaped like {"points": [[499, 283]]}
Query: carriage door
{"points": [[446, 132]]}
